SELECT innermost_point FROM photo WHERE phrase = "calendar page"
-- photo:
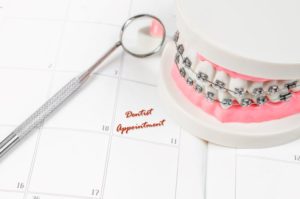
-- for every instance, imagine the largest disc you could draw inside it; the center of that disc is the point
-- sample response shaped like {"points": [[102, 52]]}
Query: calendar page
{"points": [[111, 140], [253, 173]]}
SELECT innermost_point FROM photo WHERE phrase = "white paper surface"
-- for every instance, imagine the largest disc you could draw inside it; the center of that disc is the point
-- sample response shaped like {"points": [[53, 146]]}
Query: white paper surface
{"points": [[253, 173], [77, 153]]}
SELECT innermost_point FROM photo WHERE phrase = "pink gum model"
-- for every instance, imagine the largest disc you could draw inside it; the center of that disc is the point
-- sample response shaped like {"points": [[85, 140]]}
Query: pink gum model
{"points": [[267, 112]]}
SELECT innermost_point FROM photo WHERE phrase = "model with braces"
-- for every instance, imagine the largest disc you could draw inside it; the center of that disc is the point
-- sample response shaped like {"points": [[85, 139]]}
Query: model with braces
{"points": [[218, 86]]}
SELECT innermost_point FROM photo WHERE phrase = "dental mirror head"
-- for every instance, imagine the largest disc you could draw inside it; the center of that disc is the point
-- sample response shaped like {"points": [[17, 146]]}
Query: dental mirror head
{"points": [[142, 35]]}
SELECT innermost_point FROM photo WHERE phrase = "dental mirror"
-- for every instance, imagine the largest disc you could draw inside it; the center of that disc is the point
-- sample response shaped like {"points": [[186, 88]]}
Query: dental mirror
{"points": [[141, 36]]}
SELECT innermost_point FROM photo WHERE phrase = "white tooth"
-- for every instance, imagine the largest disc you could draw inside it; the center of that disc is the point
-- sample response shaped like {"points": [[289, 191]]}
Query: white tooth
{"points": [[190, 73], [260, 99], [239, 86], [293, 85], [192, 56], [188, 53], [225, 99], [190, 81], [180, 40], [176, 36], [202, 84], [258, 93], [297, 88], [189, 61], [199, 88], [282, 87], [285, 93], [274, 98], [272, 88], [221, 81], [285, 96], [180, 49], [269, 84], [245, 100], [210, 93], [178, 59], [198, 81], [206, 68], [256, 88]]}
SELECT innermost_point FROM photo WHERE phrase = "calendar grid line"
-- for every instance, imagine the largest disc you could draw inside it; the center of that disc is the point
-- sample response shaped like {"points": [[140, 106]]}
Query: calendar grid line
{"points": [[76, 130], [235, 173], [25, 68], [69, 71], [61, 195], [205, 168], [113, 120], [130, 8], [145, 141], [100, 132], [32, 164], [12, 191], [39, 134], [46, 194], [28, 182], [62, 20], [112, 130], [178, 158], [138, 82], [268, 158], [47, 70], [8, 125]]}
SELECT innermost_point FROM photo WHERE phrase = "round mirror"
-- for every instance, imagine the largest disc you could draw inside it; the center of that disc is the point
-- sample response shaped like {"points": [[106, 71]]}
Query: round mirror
{"points": [[143, 35]]}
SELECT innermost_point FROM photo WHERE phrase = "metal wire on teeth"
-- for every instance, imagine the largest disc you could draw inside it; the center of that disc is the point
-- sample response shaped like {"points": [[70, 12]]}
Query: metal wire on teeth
{"points": [[257, 97]]}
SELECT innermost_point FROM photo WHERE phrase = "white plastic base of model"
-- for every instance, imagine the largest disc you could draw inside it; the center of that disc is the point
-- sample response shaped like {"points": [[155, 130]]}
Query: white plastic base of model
{"points": [[202, 125]]}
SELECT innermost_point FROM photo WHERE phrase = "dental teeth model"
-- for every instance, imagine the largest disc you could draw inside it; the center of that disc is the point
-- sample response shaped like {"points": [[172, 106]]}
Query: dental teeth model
{"points": [[213, 81], [231, 74], [233, 97]]}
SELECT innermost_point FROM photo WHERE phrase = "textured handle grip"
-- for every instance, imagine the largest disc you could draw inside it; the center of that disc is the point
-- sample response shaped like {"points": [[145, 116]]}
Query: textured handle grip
{"points": [[37, 118]]}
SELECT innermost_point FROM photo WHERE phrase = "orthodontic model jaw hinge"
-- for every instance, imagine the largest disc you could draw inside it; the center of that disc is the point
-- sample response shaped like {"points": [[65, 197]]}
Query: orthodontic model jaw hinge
{"points": [[274, 93]]}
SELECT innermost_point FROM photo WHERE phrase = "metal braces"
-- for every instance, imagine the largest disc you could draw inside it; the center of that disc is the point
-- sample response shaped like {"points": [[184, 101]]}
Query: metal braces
{"points": [[244, 98]]}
